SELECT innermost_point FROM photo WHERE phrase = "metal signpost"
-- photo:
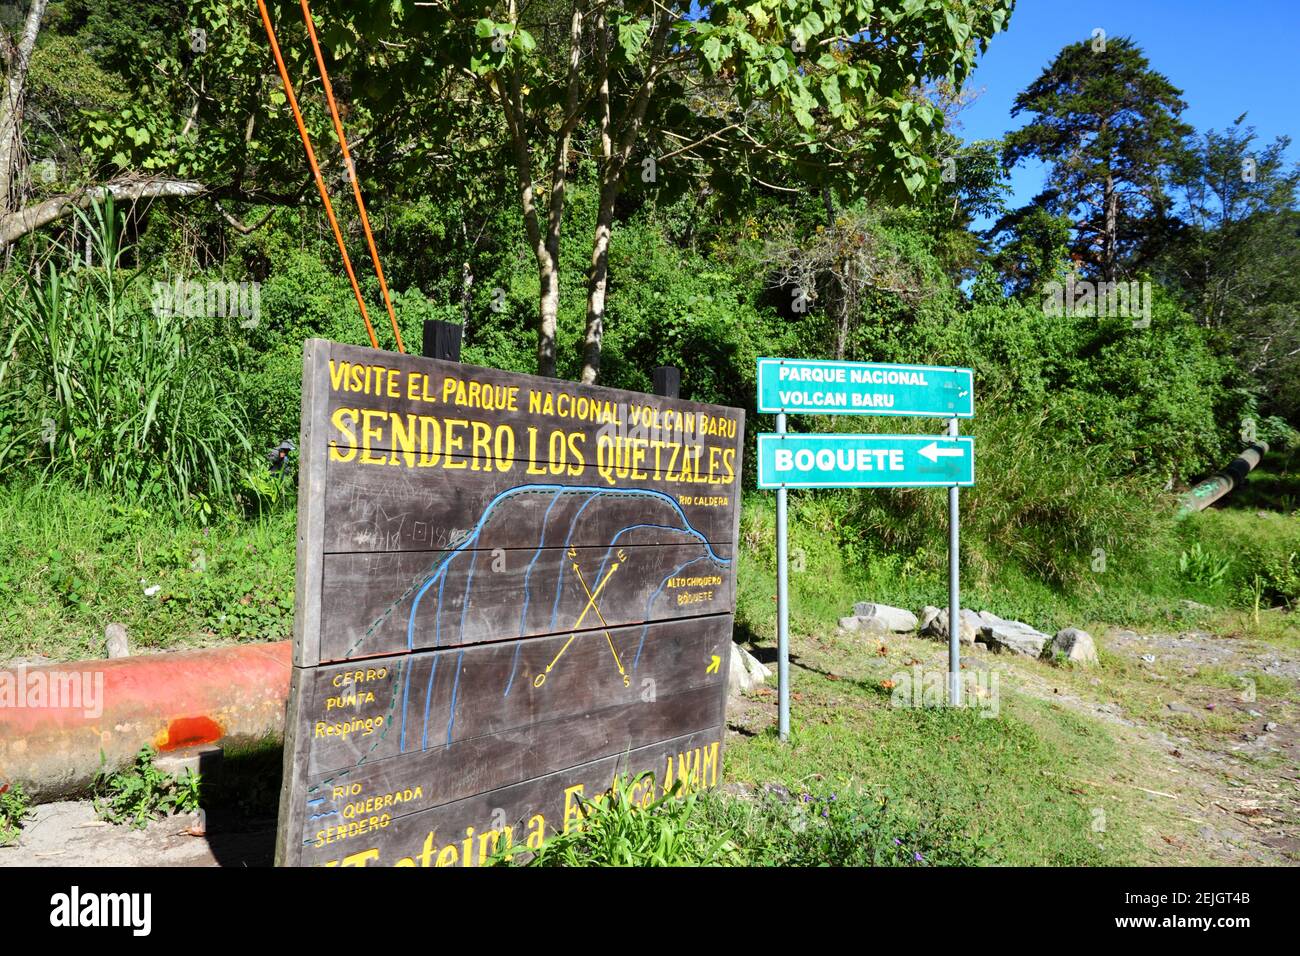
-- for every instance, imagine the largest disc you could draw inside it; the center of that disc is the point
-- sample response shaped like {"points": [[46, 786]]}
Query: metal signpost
{"points": [[788, 460]]}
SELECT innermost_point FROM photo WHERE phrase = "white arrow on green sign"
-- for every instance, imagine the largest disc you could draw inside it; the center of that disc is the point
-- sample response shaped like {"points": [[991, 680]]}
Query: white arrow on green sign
{"points": [[864, 461], [864, 388]]}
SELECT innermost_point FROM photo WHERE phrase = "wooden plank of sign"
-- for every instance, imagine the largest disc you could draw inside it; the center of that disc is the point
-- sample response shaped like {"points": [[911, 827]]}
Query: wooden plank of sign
{"points": [[462, 833], [381, 708], [379, 508], [307, 594], [311, 503], [397, 383], [385, 603], [445, 773]]}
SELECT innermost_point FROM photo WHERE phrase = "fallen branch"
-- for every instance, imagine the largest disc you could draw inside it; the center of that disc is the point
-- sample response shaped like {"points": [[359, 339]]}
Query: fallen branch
{"points": [[18, 224]]}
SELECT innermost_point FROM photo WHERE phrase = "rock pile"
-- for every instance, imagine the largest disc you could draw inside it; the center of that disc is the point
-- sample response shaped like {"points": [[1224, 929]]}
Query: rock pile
{"points": [[976, 628]]}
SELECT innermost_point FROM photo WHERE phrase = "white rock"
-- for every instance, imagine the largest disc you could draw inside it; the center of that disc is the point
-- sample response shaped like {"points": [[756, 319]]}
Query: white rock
{"points": [[115, 642], [745, 672], [758, 671], [1015, 636], [1077, 646], [934, 624], [895, 619]]}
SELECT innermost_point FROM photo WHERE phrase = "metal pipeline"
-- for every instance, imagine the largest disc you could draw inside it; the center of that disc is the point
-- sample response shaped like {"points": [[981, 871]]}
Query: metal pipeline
{"points": [[57, 719], [1223, 482]]}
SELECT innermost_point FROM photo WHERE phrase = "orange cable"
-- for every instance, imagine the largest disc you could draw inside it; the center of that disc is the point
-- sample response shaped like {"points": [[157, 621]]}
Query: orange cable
{"points": [[352, 170], [311, 158]]}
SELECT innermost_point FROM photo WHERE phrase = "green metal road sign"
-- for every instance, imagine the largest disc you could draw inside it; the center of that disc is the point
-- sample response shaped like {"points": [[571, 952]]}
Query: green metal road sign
{"points": [[864, 461], [864, 388]]}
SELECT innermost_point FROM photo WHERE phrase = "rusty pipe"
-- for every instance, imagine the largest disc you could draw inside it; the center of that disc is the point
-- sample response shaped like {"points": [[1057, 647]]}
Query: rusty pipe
{"points": [[57, 719]]}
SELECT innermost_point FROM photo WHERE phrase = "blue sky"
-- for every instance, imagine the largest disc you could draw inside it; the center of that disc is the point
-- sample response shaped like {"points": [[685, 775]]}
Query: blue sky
{"points": [[1227, 56]]}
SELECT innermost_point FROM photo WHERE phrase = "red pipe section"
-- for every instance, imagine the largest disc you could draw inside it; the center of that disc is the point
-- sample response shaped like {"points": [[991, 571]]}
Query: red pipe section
{"points": [[57, 719]]}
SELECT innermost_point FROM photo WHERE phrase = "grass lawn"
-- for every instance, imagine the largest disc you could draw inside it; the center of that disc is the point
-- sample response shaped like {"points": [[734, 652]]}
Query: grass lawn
{"points": [[73, 561]]}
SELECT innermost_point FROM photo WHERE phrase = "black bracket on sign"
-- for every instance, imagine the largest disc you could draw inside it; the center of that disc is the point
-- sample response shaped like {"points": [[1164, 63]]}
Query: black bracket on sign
{"points": [[668, 381], [442, 339]]}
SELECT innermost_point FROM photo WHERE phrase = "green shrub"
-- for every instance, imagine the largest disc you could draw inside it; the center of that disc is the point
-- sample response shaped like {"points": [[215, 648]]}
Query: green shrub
{"points": [[144, 793], [1264, 550], [615, 830], [1202, 567], [13, 811]]}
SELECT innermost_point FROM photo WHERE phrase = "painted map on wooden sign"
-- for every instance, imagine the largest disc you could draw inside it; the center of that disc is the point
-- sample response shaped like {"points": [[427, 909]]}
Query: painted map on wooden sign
{"points": [[511, 591]]}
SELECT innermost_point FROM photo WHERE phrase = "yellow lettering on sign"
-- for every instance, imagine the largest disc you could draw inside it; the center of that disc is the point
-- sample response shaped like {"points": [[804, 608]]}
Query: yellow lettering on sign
{"points": [[360, 859], [341, 419], [536, 832], [371, 435]]}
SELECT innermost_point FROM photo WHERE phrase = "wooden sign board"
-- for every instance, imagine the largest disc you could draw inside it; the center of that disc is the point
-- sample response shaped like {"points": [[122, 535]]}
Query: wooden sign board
{"points": [[511, 590]]}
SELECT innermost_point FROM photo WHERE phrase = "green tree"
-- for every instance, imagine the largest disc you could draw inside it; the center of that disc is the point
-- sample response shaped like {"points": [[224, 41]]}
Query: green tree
{"points": [[1033, 245], [1108, 126], [1237, 258], [819, 88], [194, 114]]}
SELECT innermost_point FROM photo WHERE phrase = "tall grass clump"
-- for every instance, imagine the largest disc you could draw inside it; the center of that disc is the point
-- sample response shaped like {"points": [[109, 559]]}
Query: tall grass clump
{"points": [[99, 388], [713, 829], [621, 828]]}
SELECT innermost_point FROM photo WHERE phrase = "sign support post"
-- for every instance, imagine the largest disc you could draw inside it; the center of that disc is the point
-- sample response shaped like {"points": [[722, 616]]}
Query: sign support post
{"points": [[954, 589], [782, 606]]}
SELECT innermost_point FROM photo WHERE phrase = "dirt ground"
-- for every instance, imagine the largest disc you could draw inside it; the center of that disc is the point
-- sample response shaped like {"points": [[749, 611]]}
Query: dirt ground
{"points": [[67, 833]]}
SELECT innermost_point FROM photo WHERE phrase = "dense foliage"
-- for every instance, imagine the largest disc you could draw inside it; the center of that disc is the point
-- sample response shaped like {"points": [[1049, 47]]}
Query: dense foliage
{"points": [[118, 377]]}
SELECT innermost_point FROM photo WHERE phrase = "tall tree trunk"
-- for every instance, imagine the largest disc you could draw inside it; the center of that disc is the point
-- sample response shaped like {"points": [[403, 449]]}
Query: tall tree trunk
{"points": [[11, 108], [842, 332], [613, 160], [598, 284], [546, 245], [1110, 239], [548, 307], [548, 287], [598, 276]]}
